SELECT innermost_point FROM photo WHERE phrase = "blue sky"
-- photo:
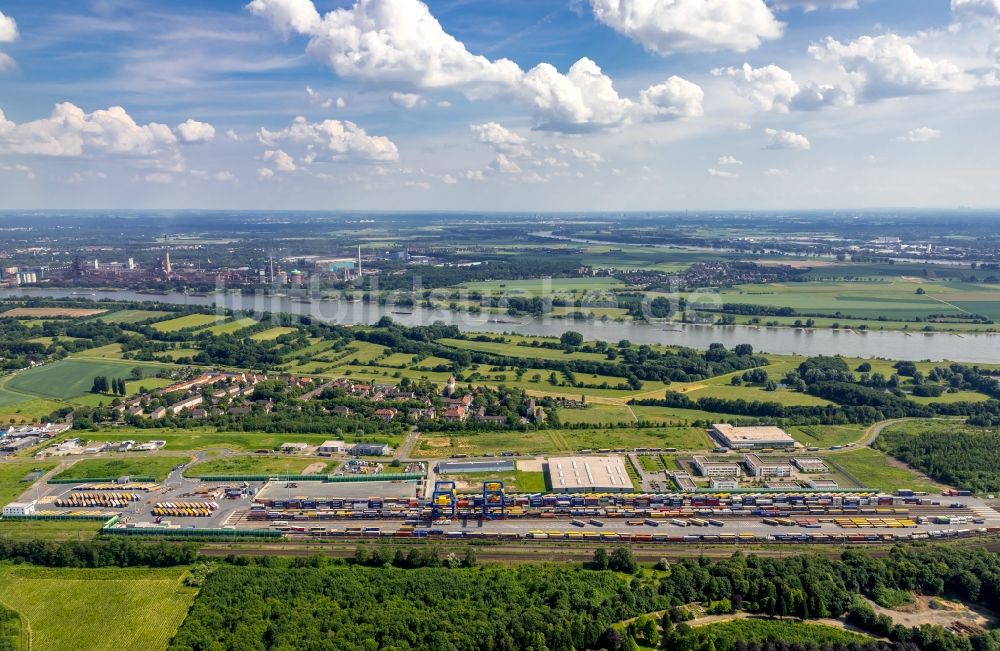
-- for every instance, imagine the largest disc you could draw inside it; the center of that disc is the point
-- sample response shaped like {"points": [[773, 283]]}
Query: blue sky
{"points": [[513, 105]]}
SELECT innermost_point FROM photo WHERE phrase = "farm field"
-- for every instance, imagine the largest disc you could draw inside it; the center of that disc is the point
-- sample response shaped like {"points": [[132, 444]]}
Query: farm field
{"points": [[69, 378], [23, 408], [12, 474], [49, 529], [229, 327], [136, 608], [156, 467], [513, 350], [132, 316], [875, 469], [597, 414], [186, 321], [51, 312], [271, 333], [542, 285], [256, 465]]}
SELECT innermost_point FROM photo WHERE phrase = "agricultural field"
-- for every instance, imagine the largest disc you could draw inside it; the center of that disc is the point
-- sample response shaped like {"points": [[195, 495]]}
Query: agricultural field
{"points": [[49, 529], [133, 316], [97, 609], [513, 350], [257, 465], [875, 470], [543, 286], [271, 333], [17, 476], [50, 312], [187, 321], [155, 466], [69, 378], [229, 327], [22, 408]]}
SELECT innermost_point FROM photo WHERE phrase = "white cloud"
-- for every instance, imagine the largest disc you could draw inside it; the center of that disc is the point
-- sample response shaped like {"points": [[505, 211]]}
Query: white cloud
{"points": [[669, 26], [280, 160], [813, 96], [71, 132], [500, 137], [781, 139], [888, 66], [676, 97], [982, 10], [8, 29], [729, 160], [6, 62], [232, 135], [191, 132], [775, 172], [768, 88], [448, 179], [80, 177], [813, 5], [159, 178], [224, 176], [475, 175], [339, 102], [318, 99], [504, 165], [406, 100], [19, 168], [920, 134], [399, 44], [264, 173], [330, 140], [722, 174]]}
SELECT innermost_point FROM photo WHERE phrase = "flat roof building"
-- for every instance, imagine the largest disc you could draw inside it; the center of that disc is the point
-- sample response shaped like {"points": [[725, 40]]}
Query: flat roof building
{"points": [[684, 481], [823, 484], [331, 447], [766, 436], [716, 468], [723, 484], [589, 474], [757, 467], [19, 509], [809, 464], [498, 465]]}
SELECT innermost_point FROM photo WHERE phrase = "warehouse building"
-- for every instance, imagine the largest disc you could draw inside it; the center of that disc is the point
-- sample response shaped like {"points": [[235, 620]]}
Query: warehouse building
{"points": [[737, 438], [331, 447], [757, 467], [19, 509], [809, 464], [588, 474], [446, 467], [725, 484], [716, 468]]}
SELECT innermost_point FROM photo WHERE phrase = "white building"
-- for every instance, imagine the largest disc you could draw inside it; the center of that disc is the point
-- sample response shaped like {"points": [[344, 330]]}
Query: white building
{"points": [[723, 484], [757, 467], [331, 447], [716, 468], [19, 509], [737, 438]]}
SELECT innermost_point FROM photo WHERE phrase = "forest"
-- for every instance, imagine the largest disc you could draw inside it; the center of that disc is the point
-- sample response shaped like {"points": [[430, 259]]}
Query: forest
{"points": [[955, 456], [307, 603]]}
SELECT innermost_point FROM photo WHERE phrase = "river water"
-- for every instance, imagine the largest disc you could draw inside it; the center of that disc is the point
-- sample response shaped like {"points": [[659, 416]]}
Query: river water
{"points": [[981, 347]]}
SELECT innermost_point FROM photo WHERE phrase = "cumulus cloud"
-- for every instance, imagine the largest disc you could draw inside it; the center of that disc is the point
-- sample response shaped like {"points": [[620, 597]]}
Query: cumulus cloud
{"points": [[224, 176], [920, 134], [982, 10], [322, 142], [813, 5], [774, 171], [192, 132], [406, 100], [8, 29], [669, 26], [772, 88], [888, 66], [232, 135], [722, 174], [71, 132], [19, 168], [781, 139], [769, 87], [729, 160], [523, 160], [399, 44]]}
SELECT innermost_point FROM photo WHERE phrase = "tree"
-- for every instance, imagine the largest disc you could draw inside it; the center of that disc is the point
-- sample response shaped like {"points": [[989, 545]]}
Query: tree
{"points": [[622, 560], [100, 385], [571, 339], [600, 561]]}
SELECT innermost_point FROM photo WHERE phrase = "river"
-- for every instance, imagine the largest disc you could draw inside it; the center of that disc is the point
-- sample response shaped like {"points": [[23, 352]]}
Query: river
{"points": [[983, 347]]}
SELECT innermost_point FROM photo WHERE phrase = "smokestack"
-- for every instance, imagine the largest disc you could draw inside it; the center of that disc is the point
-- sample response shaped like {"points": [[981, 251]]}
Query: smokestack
{"points": [[359, 261]]}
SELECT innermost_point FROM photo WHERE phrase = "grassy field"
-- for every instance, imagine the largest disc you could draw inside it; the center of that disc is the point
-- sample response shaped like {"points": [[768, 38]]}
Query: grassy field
{"points": [[271, 333], [560, 441], [206, 438], [513, 350], [875, 470], [229, 327], [514, 481], [186, 321], [14, 472], [542, 285], [255, 465], [97, 610], [69, 378], [727, 634], [132, 316], [825, 436], [49, 529], [141, 466], [21, 408]]}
